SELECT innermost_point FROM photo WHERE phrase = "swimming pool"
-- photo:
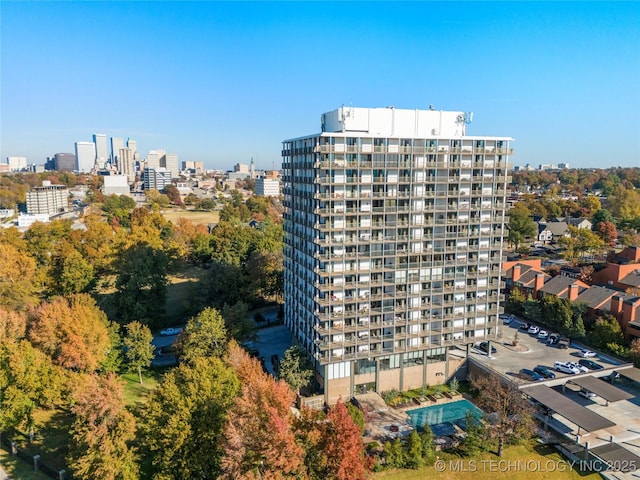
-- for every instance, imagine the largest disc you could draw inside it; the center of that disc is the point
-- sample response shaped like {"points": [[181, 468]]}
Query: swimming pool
{"points": [[447, 412]]}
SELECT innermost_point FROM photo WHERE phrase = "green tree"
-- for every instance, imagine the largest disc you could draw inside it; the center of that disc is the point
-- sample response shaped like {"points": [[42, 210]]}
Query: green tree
{"points": [[239, 323], [606, 330], [28, 380], [71, 272], [520, 226], [414, 452], [205, 335], [473, 442], [428, 445], [138, 347], [142, 283], [296, 368], [516, 301], [183, 420], [394, 454], [102, 433]]}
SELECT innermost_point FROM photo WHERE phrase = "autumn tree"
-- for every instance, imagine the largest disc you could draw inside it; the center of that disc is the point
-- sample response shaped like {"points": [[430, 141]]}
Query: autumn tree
{"points": [[103, 432], [138, 347], [71, 272], [28, 380], [205, 335], [17, 278], [184, 418], [343, 448], [607, 232], [259, 440], [510, 419], [73, 331], [520, 226], [295, 368], [173, 194], [606, 331]]}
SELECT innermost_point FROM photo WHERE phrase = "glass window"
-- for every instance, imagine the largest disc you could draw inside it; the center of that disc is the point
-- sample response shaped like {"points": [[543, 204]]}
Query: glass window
{"points": [[365, 366]]}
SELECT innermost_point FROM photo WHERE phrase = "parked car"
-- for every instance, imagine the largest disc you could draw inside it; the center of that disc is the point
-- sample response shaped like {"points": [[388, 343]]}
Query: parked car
{"points": [[530, 375], [563, 342], [506, 318], [533, 330], [590, 364], [564, 367], [167, 332], [553, 339], [544, 371], [581, 368], [484, 347], [587, 354], [543, 334], [586, 393], [525, 326]]}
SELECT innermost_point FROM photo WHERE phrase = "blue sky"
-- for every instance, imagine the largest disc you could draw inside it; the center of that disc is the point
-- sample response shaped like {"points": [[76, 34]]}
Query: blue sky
{"points": [[222, 82]]}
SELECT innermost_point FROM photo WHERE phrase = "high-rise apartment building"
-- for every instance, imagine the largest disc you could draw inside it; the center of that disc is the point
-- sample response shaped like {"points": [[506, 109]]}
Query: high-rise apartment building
{"points": [[85, 156], [394, 223], [48, 199], [102, 150]]}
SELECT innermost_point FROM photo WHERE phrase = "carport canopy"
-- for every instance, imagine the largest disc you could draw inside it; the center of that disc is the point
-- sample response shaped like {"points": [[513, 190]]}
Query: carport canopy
{"points": [[602, 389], [567, 408], [631, 373], [617, 457]]}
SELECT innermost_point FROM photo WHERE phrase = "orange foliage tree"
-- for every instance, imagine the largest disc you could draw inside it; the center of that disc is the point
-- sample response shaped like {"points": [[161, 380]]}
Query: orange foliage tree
{"points": [[73, 331], [259, 440]]}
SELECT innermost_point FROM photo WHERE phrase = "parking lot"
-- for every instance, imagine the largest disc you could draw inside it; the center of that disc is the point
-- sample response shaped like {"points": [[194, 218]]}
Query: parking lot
{"points": [[530, 352]]}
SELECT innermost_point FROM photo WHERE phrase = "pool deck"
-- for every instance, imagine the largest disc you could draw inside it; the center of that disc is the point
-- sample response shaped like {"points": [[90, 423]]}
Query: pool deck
{"points": [[383, 422]]}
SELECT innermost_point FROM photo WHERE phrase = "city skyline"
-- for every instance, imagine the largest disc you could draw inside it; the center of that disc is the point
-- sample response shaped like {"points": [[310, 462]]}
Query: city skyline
{"points": [[225, 82]]}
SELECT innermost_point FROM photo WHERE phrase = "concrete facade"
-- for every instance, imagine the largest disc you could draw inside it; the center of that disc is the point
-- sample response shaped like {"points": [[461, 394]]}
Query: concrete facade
{"points": [[393, 242]]}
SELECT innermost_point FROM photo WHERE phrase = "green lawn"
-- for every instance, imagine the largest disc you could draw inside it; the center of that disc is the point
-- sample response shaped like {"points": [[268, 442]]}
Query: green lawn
{"points": [[135, 393], [523, 462], [18, 469]]}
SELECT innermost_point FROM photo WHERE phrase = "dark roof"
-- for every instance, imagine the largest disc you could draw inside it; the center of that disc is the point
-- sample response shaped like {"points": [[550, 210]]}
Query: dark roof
{"points": [[557, 285], [602, 389], [528, 279], [557, 228], [564, 406], [614, 454], [633, 279], [597, 297]]}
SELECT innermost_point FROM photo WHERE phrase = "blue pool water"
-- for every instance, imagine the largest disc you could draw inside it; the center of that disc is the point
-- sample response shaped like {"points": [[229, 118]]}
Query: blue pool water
{"points": [[445, 413]]}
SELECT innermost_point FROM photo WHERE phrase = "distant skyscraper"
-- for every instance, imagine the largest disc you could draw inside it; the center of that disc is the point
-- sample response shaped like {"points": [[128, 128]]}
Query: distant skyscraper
{"points": [[116, 144], [133, 146], [153, 158], [171, 164], [393, 231], [65, 162], [125, 164], [102, 151], [85, 156]]}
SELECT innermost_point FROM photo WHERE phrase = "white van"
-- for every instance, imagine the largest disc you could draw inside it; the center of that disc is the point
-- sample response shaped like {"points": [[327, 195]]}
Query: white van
{"points": [[565, 368]]}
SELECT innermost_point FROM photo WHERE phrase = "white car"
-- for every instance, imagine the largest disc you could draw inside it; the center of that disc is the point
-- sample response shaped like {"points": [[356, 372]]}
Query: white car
{"points": [[565, 368], [533, 330], [586, 393], [167, 332], [580, 368], [543, 334], [587, 354]]}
